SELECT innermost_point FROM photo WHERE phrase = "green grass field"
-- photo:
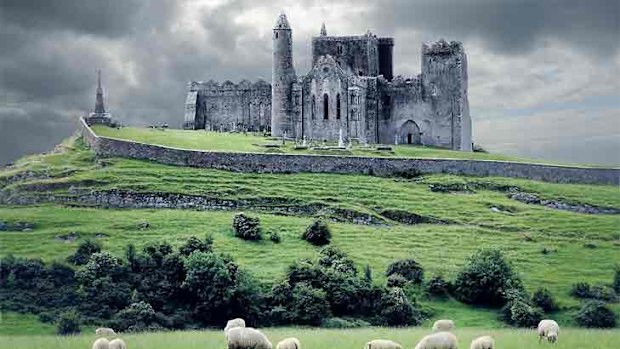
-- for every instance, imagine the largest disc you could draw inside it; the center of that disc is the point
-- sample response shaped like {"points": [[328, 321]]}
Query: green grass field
{"points": [[238, 142], [570, 338], [579, 247]]}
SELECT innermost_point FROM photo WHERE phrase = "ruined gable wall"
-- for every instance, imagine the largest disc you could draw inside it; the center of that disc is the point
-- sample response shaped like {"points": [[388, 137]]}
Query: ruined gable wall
{"points": [[357, 54]]}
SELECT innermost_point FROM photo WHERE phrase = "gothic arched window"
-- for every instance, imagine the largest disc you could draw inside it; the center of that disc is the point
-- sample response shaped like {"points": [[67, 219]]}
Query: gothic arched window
{"points": [[313, 108], [325, 107], [338, 106]]}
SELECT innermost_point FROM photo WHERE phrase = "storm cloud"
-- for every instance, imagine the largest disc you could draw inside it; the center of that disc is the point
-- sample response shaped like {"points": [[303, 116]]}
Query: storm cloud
{"points": [[543, 74]]}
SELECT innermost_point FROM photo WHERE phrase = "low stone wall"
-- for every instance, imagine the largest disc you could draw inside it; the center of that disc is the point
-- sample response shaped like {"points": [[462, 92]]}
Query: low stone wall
{"points": [[292, 163]]}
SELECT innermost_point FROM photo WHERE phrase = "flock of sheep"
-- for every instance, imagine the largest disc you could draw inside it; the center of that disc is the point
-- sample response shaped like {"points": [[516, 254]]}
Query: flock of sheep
{"points": [[240, 337]]}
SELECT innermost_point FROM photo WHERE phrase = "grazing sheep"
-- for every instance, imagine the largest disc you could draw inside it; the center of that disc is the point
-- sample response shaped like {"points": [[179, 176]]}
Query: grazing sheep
{"points": [[382, 344], [484, 342], [443, 325], [289, 343], [548, 328], [105, 331], [101, 343], [246, 338], [439, 340], [234, 323], [118, 344]]}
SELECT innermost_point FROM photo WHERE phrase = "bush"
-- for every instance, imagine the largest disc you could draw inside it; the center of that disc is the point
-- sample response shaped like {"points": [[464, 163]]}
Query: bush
{"points": [[136, 317], [318, 233], [580, 290], [408, 268], [68, 323], [309, 305], [437, 286], [195, 244], [275, 237], [616, 282], [518, 312], [486, 279], [396, 280], [85, 249], [543, 299], [595, 314], [584, 290], [336, 322], [246, 227], [397, 310]]}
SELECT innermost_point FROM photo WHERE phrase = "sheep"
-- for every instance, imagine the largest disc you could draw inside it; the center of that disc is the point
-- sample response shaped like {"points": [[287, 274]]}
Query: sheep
{"points": [[548, 328], [289, 343], [238, 322], [484, 342], [438, 340], [101, 343], [382, 344], [443, 325], [118, 344], [105, 331], [247, 337]]}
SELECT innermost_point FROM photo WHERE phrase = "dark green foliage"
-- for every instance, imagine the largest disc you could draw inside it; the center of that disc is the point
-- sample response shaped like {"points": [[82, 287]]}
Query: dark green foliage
{"points": [[309, 305], [518, 312], [336, 322], [407, 268], [68, 323], [438, 286], [580, 290], [333, 258], [486, 279], [397, 310], [596, 314], [85, 249], [396, 280], [584, 290], [136, 317], [246, 227], [195, 244], [616, 282], [275, 237], [367, 273], [543, 299], [318, 233]]}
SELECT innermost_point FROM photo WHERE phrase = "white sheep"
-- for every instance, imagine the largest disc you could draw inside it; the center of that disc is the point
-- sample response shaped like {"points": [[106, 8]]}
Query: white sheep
{"points": [[247, 337], [549, 329], [382, 344], [118, 344], [438, 340], [101, 343], [289, 343], [238, 322], [484, 342], [443, 325], [105, 331]]}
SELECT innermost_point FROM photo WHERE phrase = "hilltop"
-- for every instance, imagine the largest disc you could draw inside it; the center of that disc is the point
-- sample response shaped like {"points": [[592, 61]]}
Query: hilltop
{"points": [[70, 194]]}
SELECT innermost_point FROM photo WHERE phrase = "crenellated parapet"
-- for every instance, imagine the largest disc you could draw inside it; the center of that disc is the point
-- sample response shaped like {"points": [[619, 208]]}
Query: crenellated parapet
{"points": [[217, 87]]}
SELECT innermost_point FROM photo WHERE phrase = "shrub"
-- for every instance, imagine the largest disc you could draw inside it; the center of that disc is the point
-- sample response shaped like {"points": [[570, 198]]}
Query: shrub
{"points": [[68, 323], [408, 268], [486, 279], [309, 305], [85, 249], [396, 280], [580, 290], [367, 273], [136, 317], [397, 310], [518, 312], [246, 227], [584, 290], [596, 314], [616, 282], [333, 258], [543, 299], [195, 244], [318, 233], [336, 322], [275, 237], [437, 286]]}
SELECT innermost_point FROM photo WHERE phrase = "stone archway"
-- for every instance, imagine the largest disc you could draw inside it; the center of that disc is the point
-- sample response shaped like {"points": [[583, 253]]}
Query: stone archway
{"points": [[409, 133]]}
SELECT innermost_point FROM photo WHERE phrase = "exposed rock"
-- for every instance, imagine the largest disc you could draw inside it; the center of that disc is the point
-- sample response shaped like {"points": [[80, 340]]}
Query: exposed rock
{"points": [[72, 236], [410, 217], [533, 199]]}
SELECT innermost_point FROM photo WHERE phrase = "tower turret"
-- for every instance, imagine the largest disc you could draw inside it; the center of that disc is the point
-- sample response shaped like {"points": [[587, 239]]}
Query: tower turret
{"points": [[99, 115], [323, 29], [99, 108], [283, 76]]}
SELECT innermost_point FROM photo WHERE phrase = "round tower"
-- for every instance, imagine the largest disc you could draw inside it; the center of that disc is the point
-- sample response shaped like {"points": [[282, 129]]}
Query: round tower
{"points": [[283, 76]]}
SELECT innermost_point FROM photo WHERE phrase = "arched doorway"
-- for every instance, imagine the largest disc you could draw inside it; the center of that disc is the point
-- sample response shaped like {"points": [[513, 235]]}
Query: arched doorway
{"points": [[409, 133]]}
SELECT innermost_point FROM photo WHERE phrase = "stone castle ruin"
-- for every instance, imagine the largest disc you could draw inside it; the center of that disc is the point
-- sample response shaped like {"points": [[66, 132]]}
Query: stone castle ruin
{"points": [[350, 91]]}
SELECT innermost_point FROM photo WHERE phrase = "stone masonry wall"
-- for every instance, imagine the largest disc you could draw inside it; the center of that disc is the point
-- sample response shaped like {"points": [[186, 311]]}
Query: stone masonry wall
{"points": [[291, 163]]}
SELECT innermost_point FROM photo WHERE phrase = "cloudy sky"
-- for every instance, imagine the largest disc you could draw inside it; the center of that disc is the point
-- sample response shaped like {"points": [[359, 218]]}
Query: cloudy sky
{"points": [[544, 75]]}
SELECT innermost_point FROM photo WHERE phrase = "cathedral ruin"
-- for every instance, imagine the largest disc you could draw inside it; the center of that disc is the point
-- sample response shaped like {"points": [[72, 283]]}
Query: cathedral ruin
{"points": [[350, 90]]}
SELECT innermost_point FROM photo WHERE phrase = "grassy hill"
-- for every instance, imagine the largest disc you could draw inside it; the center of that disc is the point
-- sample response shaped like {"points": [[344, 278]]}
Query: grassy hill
{"points": [[549, 247]]}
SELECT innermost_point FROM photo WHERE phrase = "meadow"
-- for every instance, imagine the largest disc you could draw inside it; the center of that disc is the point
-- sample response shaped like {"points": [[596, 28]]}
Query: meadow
{"points": [[570, 338]]}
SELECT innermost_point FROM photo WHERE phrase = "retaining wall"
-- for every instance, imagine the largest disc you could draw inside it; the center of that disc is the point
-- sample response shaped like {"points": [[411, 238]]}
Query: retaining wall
{"points": [[292, 163]]}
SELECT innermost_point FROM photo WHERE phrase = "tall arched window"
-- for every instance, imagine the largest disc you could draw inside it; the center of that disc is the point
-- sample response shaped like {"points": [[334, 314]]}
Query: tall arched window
{"points": [[325, 107], [338, 106], [313, 108]]}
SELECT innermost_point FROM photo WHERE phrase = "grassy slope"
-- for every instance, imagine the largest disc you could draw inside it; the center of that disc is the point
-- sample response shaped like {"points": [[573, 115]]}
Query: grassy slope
{"points": [[440, 248], [202, 140], [324, 339]]}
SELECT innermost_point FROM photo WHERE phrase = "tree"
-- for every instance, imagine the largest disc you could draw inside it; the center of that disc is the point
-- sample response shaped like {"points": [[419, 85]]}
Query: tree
{"points": [[85, 249], [544, 299], [246, 227], [318, 233], [68, 323], [595, 314], [397, 310], [309, 305], [137, 317], [408, 269]]}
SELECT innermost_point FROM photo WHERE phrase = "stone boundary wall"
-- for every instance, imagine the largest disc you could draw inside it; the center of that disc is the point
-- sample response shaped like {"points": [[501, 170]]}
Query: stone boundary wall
{"points": [[292, 163]]}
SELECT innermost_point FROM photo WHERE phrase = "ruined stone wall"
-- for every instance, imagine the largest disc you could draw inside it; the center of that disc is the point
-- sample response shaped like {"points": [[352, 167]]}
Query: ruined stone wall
{"points": [[215, 106], [358, 55], [290, 163]]}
